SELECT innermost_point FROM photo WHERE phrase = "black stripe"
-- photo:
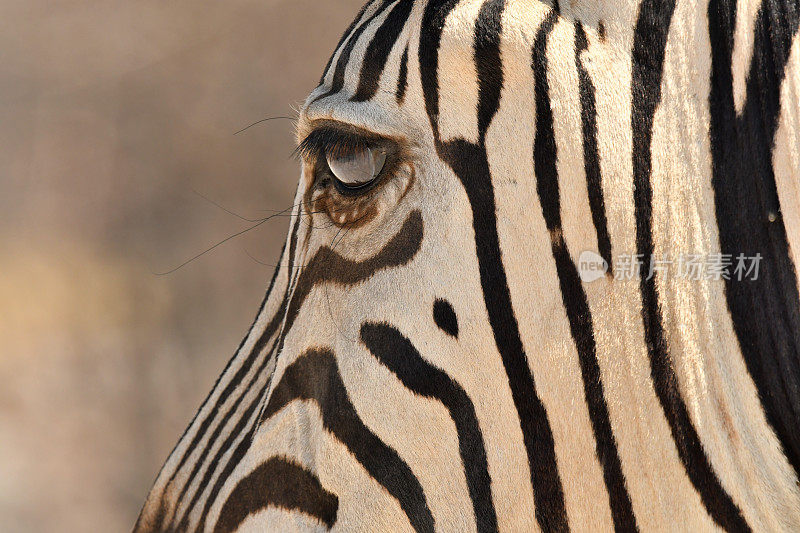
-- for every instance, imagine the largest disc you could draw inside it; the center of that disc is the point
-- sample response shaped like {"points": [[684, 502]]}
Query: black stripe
{"points": [[327, 266], [573, 296], [379, 49], [649, 45], [315, 376], [279, 483], [397, 354], [433, 20], [591, 153], [402, 78], [488, 63], [765, 312], [344, 36], [470, 164], [445, 317], [344, 58]]}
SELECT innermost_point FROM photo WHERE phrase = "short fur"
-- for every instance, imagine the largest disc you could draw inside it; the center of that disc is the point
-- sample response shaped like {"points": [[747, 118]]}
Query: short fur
{"points": [[428, 356]]}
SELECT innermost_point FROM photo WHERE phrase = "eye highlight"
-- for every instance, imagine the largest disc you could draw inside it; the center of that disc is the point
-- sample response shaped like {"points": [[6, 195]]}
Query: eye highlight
{"points": [[357, 169]]}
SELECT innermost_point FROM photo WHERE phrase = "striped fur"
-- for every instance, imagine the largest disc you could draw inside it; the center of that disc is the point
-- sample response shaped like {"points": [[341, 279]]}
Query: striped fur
{"points": [[428, 357]]}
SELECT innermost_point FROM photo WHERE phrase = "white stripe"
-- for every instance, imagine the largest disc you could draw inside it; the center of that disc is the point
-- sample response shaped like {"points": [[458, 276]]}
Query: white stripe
{"points": [[786, 157], [743, 39]]}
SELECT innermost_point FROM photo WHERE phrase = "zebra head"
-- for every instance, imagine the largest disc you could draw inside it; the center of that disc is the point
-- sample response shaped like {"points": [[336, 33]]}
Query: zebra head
{"points": [[469, 328]]}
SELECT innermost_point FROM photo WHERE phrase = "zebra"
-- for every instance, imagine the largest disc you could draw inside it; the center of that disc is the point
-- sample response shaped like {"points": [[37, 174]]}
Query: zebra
{"points": [[430, 355]]}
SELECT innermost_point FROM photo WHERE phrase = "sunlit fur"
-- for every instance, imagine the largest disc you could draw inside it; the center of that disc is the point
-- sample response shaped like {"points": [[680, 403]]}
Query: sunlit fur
{"points": [[322, 305]]}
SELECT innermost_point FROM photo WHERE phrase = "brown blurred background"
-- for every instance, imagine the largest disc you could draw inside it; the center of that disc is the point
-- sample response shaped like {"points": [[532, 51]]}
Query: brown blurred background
{"points": [[113, 115]]}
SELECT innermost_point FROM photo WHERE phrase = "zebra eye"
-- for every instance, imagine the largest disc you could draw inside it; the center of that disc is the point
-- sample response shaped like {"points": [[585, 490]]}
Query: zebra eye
{"points": [[356, 169]]}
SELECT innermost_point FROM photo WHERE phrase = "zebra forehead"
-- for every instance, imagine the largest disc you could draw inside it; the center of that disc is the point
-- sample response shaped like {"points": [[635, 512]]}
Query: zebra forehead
{"points": [[383, 25], [383, 22], [384, 52], [393, 43]]}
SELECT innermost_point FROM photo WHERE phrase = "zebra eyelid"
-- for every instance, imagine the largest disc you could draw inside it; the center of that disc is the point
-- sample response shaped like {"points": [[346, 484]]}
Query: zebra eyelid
{"points": [[340, 138]]}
